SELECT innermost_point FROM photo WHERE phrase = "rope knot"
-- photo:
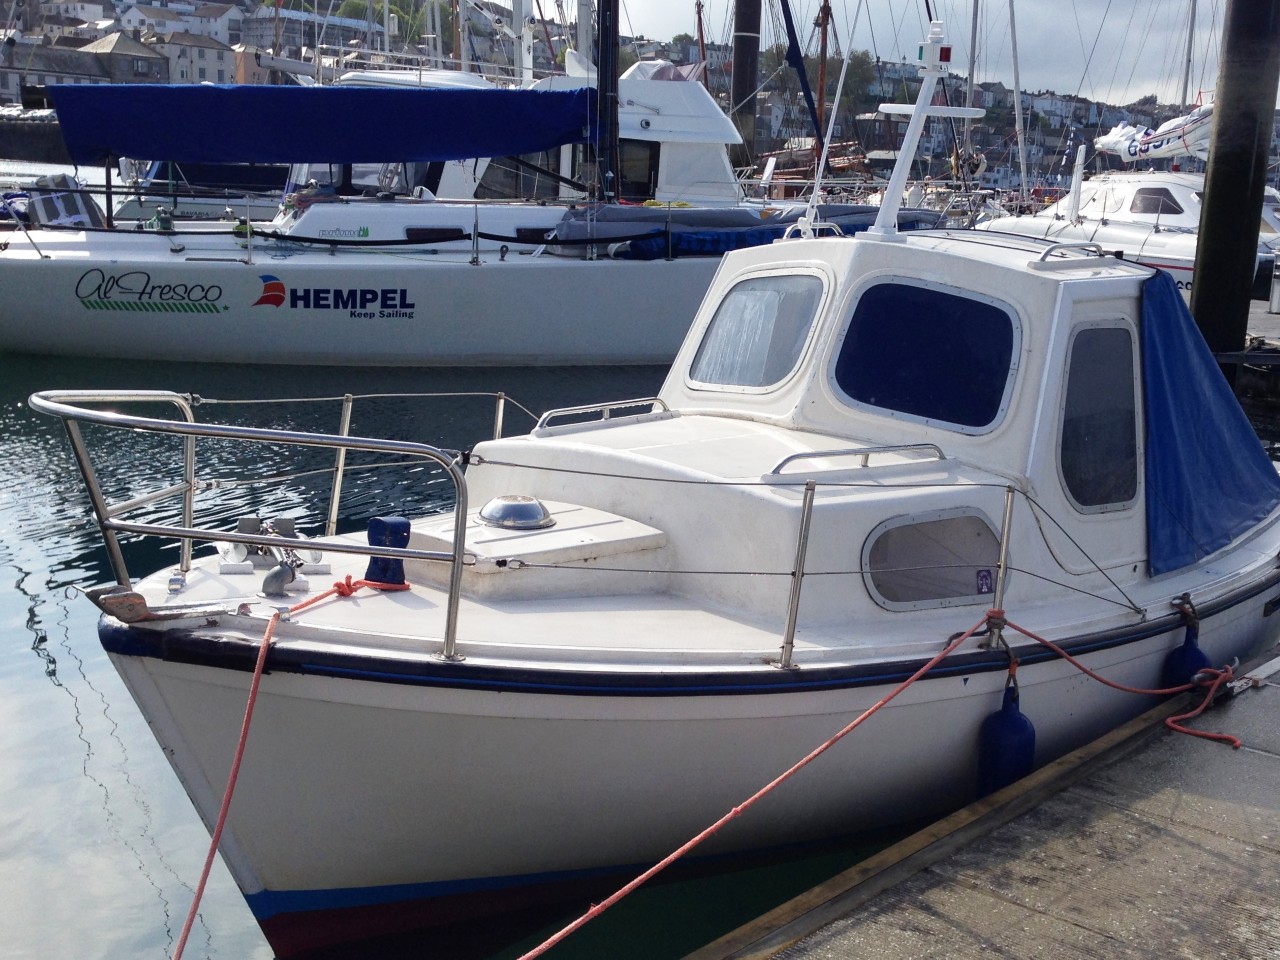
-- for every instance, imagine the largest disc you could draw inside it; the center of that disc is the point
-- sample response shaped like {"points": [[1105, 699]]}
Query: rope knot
{"points": [[345, 588], [1185, 607], [996, 619]]}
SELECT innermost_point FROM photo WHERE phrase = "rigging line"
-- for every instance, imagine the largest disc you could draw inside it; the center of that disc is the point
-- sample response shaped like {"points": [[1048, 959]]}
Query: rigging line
{"points": [[1066, 586], [1110, 93], [1137, 56], [1210, 45], [1084, 74], [1039, 508]]}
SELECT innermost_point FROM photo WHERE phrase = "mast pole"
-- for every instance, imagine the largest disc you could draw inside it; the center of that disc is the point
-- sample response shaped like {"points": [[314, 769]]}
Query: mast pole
{"points": [[607, 98], [1186, 74], [823, 23], [1017, 113], [702, 46], [973, 66], [746, 63]]}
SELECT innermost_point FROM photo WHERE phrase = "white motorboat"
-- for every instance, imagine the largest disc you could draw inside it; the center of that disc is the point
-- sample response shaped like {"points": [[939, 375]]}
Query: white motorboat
{"points": [[1149, 216], [874, 458]]}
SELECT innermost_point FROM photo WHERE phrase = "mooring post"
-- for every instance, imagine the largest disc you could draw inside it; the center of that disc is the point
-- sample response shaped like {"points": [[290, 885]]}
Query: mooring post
{"points": [[1243, 110]]}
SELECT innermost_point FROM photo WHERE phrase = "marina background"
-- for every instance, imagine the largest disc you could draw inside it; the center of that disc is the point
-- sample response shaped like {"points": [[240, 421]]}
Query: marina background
{"points": [[99, 847]]}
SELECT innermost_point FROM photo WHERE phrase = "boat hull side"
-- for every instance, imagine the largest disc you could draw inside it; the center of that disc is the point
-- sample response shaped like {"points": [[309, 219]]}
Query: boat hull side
{"points": [[352, 309], [369, 806]]}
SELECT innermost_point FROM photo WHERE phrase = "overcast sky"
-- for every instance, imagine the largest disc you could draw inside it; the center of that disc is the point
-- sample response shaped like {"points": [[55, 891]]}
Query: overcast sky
{"points": [[1110, 50]]}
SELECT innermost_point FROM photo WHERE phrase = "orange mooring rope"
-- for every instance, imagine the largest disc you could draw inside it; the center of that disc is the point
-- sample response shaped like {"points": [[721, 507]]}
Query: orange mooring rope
{"points": [[1213, 681], [597, 909], [341, 588]]}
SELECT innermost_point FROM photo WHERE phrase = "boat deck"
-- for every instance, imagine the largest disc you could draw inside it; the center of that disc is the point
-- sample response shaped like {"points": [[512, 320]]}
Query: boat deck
{"points": [[1144, 844]]}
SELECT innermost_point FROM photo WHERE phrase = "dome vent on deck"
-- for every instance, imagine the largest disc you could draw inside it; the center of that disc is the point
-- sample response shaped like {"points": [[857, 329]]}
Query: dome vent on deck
{"points": [[516, 512]]}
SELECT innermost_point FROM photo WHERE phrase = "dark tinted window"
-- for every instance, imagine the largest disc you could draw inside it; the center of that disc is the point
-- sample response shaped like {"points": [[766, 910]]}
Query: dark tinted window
{"points": [[1154, 200], [1099, 419], [928, 353]]}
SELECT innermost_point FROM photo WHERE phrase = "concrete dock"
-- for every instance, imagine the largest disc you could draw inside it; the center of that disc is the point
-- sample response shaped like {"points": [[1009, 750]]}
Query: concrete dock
{"points": [[1145, 843]]}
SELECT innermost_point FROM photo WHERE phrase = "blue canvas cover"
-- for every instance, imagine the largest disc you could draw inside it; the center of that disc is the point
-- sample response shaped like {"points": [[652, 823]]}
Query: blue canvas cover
{"points": [[1208, 478], [245, 123]]}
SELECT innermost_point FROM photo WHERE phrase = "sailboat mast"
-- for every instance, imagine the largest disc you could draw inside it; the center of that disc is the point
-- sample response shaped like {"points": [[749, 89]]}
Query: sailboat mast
{"points": [[702, 45], [973, 66], [746, 62], [607, 97], [1017, 112], [1186, 74], [823, 24]]}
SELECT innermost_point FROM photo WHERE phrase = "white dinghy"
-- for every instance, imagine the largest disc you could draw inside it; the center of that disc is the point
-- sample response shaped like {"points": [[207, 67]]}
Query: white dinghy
{"points": [[639, 614]]}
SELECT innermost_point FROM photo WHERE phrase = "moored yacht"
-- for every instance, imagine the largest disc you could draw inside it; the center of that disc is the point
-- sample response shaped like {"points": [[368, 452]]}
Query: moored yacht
{"points": [[931, 474]]}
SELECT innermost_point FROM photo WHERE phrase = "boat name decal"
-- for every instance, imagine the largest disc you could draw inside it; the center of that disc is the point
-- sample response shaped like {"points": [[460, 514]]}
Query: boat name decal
{"points": [[343, 233], [134, 290]]}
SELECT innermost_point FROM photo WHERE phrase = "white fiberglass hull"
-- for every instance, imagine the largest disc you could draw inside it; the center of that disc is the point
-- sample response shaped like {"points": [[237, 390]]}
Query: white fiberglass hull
{"points": [[388, 308], [366, 805]]}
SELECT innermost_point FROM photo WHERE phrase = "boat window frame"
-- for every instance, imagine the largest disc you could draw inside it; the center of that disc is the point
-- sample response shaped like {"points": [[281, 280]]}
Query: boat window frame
{"points": [[824, 295], [1110, 323], [1168, 203], [916, 519], [1015, 356]]}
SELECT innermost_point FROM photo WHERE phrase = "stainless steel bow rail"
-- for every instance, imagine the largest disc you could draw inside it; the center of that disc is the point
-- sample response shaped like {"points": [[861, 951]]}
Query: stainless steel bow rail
{"points": [[70, 407]]}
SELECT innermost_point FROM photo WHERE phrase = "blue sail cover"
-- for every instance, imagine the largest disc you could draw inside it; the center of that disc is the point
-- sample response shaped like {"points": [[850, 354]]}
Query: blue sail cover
{"points": [[278, 124], [1208, 478]]}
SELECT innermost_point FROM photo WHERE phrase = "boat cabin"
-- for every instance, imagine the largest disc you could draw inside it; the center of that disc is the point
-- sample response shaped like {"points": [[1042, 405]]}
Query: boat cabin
{"points": [[915, 382], [1168, 199], [673, 146]]}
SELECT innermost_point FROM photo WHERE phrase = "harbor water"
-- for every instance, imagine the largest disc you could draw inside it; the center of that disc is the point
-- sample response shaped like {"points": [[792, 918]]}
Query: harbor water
{"points": [[100, 849]]}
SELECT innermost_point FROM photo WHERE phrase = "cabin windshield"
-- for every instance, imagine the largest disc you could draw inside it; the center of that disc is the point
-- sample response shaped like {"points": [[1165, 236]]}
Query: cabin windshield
{"points": [[758, 331], [931, 354]]}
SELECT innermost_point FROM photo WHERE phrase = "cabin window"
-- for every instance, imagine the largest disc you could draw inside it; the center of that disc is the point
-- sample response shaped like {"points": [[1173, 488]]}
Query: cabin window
{"points": [[758, 331], [1154, 200], [1099, 455], [1111, 200], [637, 169], [931, 354], [940, 559], [520, 178]]}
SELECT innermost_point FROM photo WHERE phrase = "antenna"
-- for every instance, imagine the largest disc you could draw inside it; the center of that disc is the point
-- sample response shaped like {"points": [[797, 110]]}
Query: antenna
{"points": [[935, 58]]}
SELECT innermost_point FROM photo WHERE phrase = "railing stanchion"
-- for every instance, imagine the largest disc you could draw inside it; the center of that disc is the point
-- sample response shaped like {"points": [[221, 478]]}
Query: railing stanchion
{"points": [[189, 478], [997, 631], [100, 509], [797, 575], [500, 410], [340, 462]]}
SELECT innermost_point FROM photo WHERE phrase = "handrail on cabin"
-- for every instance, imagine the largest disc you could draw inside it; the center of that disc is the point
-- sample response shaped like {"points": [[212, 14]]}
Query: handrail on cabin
{"points": [[863, 452]]}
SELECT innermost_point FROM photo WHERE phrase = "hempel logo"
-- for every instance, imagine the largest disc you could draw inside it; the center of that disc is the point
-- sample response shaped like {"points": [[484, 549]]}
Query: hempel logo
{"points": [[363, 303]]}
